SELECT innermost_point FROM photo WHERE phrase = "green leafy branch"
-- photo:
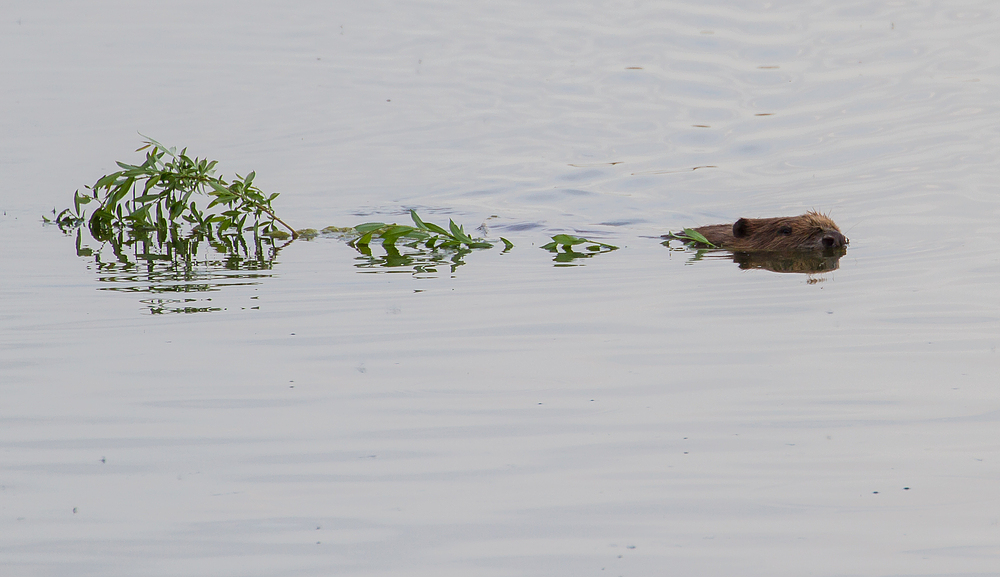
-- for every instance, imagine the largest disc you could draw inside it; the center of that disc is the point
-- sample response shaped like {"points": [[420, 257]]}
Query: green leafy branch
{"points": [[422, 233], [568, 241], [157, 195]]}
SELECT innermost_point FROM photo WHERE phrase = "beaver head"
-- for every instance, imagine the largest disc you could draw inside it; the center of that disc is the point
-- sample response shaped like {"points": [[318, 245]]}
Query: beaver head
{"points": [[810, 231]]}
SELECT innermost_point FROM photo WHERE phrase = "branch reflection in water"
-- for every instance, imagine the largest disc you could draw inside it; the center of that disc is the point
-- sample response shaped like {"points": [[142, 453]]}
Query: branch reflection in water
{"points": [[414, 258], [178, 264]]}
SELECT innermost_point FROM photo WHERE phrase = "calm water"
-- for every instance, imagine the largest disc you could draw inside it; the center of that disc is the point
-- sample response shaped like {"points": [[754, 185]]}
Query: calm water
{"points": [[638, 414]]}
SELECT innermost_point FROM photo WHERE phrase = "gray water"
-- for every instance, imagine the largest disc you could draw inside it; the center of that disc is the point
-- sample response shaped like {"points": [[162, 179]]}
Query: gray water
{"points": [[639, 413]]}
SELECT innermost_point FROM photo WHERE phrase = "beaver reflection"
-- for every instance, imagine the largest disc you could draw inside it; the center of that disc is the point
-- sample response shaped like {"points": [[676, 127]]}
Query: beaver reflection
{"points": [[808, 243], [792, 261]]}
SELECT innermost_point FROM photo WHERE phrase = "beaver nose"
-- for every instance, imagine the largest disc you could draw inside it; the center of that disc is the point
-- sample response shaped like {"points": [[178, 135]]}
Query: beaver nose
{"points": [[834, 239]]}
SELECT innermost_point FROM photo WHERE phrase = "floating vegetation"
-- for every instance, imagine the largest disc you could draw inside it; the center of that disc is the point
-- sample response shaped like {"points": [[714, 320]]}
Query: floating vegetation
{"points": [[568, 254], [568, 241], [152, 237], [425, 247], [426, 234]]}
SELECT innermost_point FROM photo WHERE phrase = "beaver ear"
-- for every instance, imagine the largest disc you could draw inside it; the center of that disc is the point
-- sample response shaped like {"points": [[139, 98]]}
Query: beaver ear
{"points": [[741, 228]]}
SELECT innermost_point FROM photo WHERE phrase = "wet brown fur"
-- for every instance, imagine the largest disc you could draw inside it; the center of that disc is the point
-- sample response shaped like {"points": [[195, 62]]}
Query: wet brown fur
{"points": [[810, 231]]}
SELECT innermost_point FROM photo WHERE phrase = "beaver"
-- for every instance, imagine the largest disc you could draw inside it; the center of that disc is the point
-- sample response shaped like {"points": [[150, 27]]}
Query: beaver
{"points": [[812, 231]]}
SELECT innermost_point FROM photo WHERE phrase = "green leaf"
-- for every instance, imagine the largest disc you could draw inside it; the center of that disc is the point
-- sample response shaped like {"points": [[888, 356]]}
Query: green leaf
{"points": [[697, 237], [79, 200], [140, 214], [151, 182], [176, 209], [437, 229], [394, 232], [568, 239], [219, 186], [507, 245], [107, 180], [416, 220], [100, 225], [369, 227], [148, 198], [458, 232], [119, 192]]}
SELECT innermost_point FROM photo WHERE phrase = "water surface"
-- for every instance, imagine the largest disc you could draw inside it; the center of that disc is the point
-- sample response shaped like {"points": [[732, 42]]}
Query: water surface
{"points": [[639, 413]]}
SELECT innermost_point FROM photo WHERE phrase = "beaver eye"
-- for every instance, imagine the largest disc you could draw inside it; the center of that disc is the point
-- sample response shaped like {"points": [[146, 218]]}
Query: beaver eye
{"points": [[785, 230]]}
